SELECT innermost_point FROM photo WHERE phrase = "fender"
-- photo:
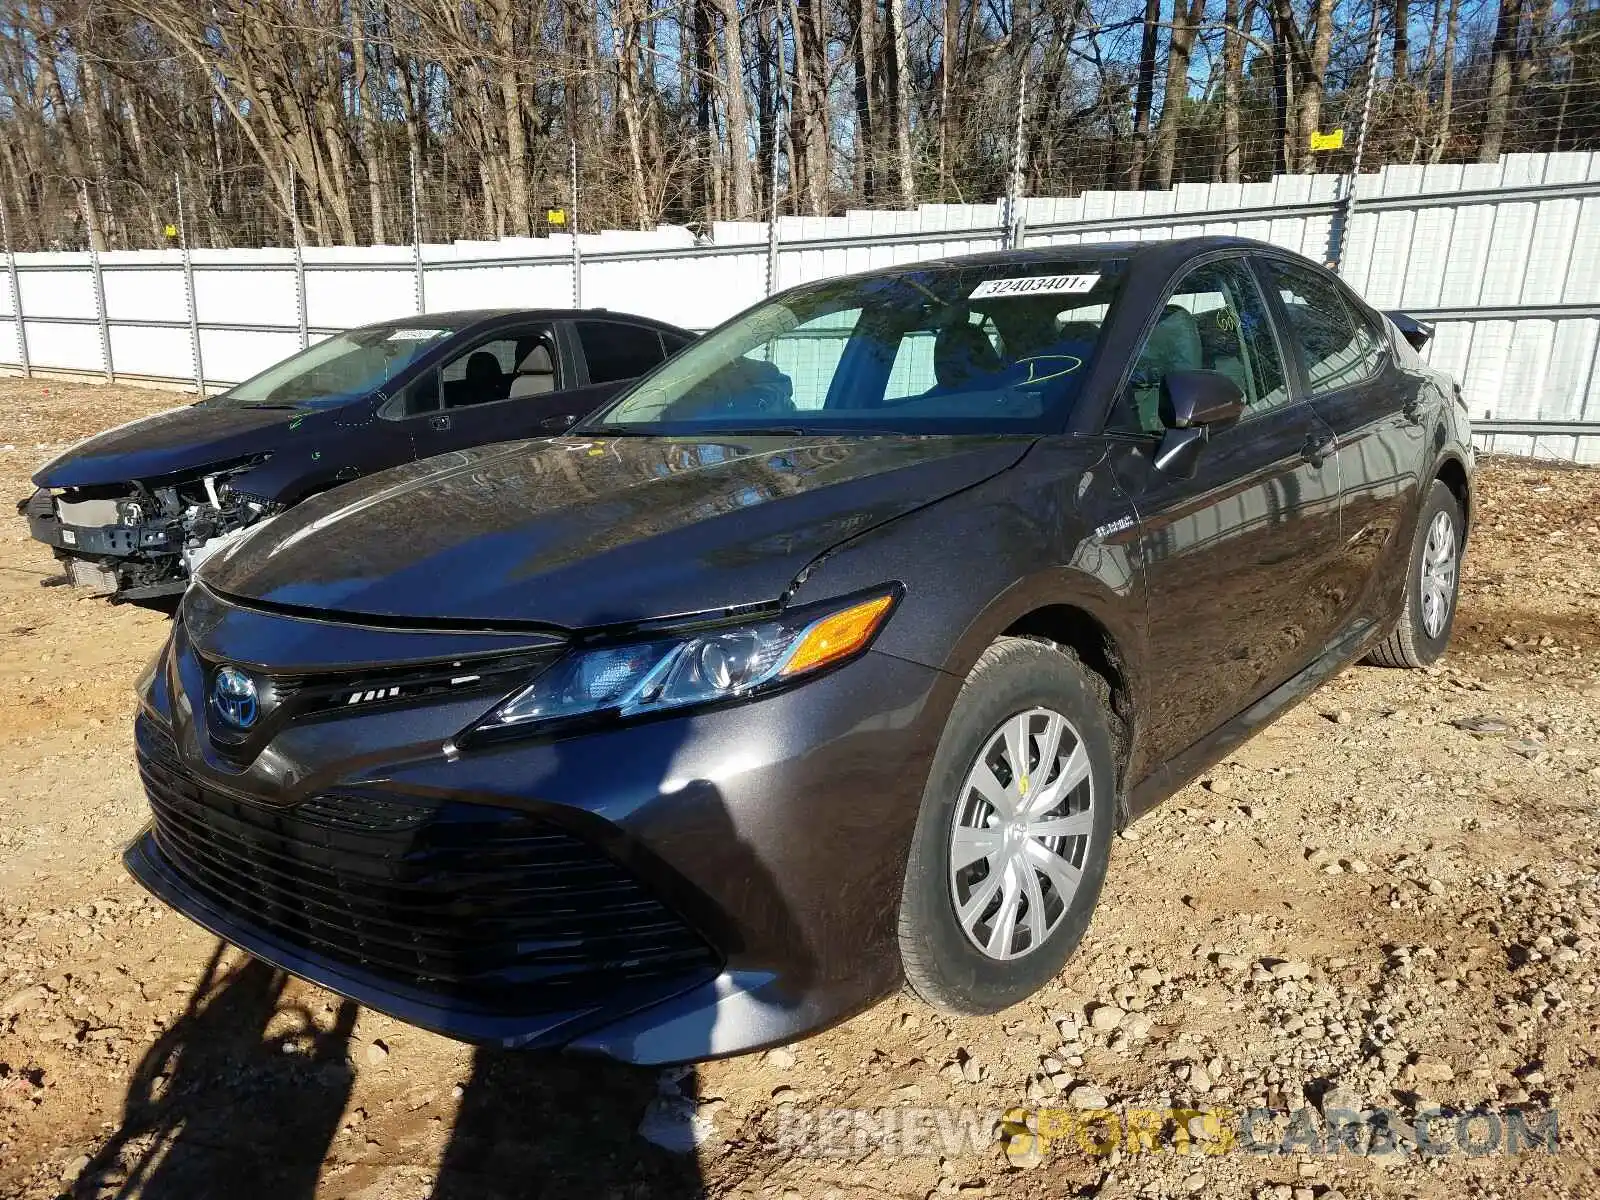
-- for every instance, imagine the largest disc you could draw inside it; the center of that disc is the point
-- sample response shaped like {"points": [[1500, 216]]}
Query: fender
{"points": [[1063, 537]]}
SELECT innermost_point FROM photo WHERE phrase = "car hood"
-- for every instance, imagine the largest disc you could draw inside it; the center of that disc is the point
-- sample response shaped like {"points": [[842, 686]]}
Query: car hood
{"points": [[579, 533], [167, 443]]}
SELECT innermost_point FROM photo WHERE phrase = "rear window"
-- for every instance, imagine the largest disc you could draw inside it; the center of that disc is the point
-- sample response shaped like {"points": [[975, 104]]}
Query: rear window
{"points": [[1338, 347], [616, 351], [992, 347]]}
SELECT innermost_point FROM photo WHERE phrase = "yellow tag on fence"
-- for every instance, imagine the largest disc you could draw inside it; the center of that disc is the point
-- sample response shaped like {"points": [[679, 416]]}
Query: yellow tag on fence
{"points": [[1328, 141], [556, 216]]}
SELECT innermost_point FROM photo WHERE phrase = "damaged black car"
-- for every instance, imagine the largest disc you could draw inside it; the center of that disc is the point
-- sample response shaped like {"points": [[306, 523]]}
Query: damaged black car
{"points": [[132, 511]]}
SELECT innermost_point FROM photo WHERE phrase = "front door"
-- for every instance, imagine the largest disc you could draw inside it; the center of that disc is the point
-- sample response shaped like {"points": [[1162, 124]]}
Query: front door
{"points": [[500, 389], [1236, 558]]}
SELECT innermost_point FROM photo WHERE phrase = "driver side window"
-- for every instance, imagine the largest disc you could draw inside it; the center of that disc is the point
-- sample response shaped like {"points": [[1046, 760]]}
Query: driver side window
{"points": [[1215, 320], [517, 363]]}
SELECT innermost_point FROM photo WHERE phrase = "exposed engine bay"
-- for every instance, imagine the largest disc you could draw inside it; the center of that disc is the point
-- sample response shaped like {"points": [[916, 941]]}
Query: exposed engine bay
{"points": [[141, 540]]}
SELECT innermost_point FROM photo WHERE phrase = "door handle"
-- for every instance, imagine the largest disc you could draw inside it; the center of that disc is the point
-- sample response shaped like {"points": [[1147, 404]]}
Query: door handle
{"points": [[439, 421], [1318, 447]]}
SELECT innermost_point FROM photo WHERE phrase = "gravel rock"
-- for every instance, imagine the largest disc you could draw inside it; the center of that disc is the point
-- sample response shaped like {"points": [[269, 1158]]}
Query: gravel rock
{"points": [[675, 1124], [1086, 1096], [1105, 1017], [1483, 726]]}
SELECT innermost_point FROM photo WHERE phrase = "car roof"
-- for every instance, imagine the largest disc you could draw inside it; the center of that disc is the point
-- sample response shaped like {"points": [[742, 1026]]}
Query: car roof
{"points": [[463, 319], [1149, 253]]}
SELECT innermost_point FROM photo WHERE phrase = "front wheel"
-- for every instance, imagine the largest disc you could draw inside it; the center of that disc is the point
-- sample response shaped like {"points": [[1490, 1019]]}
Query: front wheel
{"points": [[1014, 833], [1433, 581]]}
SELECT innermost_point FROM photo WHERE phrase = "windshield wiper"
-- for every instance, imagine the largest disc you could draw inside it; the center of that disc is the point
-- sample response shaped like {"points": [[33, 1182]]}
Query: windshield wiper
{"points": [[750, 431], [642, 430]]}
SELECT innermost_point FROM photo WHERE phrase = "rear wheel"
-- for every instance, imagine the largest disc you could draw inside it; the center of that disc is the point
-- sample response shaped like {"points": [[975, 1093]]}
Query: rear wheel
{"points": [[1014, 834], [1433, 580]]}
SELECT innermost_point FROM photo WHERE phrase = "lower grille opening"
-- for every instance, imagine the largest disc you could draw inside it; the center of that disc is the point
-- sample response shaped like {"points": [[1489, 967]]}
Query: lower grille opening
{"points": [[481, 907]]}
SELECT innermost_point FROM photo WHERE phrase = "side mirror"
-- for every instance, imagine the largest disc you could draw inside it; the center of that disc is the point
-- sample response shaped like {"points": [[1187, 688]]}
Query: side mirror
{"points": [[1192, 404], [1199, 398], [559, 423]]}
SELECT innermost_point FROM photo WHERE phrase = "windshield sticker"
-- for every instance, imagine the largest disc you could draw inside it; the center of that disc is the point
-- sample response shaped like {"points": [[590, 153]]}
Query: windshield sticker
{"points": [[415, 335], [1044, 367], [1035, 285]]}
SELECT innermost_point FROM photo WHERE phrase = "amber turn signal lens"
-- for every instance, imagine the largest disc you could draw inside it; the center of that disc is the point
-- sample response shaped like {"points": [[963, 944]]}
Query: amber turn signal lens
{"points": [[838, 636]]}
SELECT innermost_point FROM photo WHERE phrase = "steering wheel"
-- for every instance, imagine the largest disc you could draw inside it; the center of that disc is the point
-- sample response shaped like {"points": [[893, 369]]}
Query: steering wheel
{"points": [[765, 397]]}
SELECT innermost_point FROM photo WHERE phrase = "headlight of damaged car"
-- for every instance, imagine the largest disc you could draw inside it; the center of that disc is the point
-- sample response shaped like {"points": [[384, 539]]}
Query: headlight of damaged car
{"points": [[671, 672]]}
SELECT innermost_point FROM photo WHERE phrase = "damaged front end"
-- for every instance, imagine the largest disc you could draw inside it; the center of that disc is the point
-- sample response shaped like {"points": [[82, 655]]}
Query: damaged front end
{"points": [[141, 540]]}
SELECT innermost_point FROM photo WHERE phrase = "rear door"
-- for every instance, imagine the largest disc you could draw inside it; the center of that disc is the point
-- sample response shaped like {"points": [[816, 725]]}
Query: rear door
{"points": [[1236, 558], [613, 353], [1375, 409]]}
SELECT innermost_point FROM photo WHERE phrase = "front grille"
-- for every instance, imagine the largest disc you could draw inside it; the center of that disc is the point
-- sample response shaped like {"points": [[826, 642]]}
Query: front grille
{"points": [[288, 698], [483, 907]]}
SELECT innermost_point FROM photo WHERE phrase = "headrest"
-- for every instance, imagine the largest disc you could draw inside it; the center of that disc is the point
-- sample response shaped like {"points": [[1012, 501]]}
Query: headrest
{"points": [[483, 367], [961, 354], [537, 361]]}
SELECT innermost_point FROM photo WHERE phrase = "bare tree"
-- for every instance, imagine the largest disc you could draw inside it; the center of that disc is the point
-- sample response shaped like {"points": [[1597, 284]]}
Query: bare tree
{"points": [[1145, 93], [1185, 25], [1497, 105]]}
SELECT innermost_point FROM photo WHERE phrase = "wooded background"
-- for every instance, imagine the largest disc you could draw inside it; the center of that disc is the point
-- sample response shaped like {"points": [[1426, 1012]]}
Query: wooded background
{"points": [[350, 122]]}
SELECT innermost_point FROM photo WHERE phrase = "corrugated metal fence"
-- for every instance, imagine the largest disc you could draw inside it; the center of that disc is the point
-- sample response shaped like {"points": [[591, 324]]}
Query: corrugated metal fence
{"points": [[1504, 258]]}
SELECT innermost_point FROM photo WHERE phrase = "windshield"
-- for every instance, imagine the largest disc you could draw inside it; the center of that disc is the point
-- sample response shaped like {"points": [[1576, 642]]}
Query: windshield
{"points": [[990, 348], [347, 364]]}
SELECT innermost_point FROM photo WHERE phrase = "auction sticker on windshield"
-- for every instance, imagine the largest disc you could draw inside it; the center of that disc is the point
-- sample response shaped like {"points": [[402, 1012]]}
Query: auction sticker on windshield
{"points": [[416, 335], [1035, 285]]}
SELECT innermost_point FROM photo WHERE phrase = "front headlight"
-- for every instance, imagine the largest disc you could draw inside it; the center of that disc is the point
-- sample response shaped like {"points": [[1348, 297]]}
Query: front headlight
{"points": [[708, 666]]}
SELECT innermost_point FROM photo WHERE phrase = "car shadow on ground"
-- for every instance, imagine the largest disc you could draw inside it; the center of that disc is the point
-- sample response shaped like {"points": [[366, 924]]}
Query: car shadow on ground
{"points": [[218, 1103], [246, 1093]]}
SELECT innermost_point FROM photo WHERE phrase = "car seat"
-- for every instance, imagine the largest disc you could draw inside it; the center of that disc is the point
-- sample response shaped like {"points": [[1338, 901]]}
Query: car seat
{"points": [[1221, 346], [483, 381], [536, 373], [1174, 345], [962, 356]]}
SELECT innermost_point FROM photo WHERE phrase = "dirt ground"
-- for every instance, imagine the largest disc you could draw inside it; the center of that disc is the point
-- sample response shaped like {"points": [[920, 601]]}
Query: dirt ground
{"points": [[1369, 908]]}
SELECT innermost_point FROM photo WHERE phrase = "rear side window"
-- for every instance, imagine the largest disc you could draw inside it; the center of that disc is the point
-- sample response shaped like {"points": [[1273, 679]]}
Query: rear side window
{"points": [[1337, 344], [616, 351]]}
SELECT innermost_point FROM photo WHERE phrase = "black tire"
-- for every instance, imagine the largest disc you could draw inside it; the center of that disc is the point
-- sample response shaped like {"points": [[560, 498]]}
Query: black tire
{"points": [[1409, 644], [942, 965]]}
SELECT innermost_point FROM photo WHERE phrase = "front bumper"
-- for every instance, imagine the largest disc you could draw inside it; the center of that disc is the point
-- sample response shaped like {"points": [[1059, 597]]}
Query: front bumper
{"points": [[97, 541], [136, 562], [774, 832]]}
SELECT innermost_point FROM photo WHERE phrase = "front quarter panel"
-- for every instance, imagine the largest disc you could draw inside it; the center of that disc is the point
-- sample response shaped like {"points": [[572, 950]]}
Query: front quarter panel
{"points": [[1056, 529], [317, 450]]}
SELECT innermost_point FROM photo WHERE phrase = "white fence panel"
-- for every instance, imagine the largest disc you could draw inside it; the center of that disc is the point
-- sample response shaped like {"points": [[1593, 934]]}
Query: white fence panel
{"points": [[537, 283], [693, 290], [62, 347], [143, 350], [56, 285]]}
